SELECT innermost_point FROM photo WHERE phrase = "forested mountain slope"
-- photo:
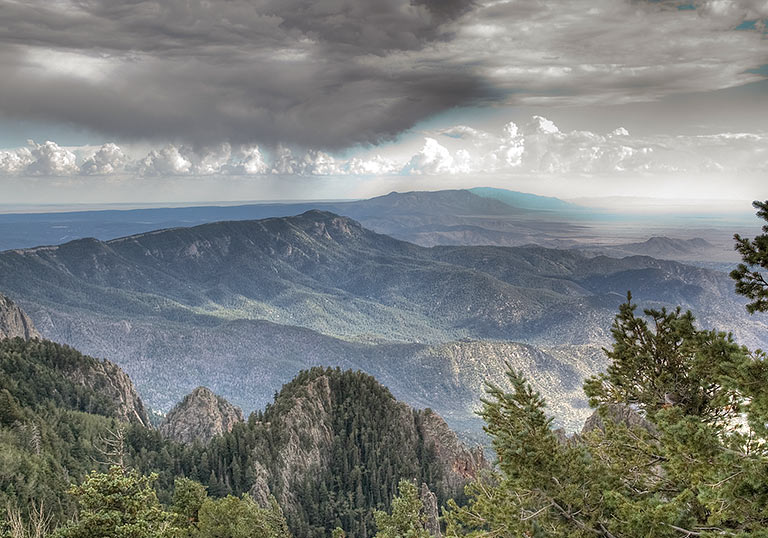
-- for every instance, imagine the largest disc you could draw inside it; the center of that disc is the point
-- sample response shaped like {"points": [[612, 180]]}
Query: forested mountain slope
{"points": [[331, 447], [223, 305]]}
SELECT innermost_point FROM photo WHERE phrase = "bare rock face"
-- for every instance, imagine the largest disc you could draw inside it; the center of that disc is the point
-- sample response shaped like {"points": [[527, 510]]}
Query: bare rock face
{"points": [[200, 416], [309, 432], [260, 491], [107, 378], [429, 508], [460, 463], [14, 322]]}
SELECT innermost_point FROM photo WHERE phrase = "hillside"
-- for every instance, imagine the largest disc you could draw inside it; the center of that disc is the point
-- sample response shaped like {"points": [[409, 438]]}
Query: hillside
{"points": [[56, 406], [330, 448], [227, 305], [427, 218]]}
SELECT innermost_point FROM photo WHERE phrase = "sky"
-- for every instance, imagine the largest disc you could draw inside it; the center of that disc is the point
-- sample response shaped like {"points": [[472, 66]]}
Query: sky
{"points": [[107, 101]]}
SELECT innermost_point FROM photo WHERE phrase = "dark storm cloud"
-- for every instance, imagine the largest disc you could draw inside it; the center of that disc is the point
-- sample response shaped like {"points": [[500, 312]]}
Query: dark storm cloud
{"points": [[321, 73], [332, 73]]}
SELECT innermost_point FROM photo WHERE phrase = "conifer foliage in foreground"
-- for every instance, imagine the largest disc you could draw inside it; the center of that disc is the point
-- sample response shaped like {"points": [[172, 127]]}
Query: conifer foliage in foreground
{"points": [[680, 450], [688, 458]]}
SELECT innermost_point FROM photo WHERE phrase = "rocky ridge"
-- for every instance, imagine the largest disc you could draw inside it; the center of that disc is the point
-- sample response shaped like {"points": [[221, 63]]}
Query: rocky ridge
{"points": [[200, 416], [460, 463], [14, 322], [309, 429], [305, 421], [108, 379], [104, 377]]}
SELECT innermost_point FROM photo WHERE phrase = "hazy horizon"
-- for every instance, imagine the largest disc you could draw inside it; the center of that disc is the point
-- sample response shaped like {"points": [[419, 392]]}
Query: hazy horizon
{"points": [[199, 102]]}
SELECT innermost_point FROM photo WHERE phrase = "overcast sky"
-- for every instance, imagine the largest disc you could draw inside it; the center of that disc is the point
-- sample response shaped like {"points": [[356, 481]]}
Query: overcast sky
{"points": [[184, 100]]}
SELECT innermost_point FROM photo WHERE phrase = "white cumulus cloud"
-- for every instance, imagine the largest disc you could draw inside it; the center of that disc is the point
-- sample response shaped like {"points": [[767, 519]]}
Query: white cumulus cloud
{"points": [[168, 161], [108, 159], [49, 159], [248, 161], [210, 160], [15, 161], [435, 158]]}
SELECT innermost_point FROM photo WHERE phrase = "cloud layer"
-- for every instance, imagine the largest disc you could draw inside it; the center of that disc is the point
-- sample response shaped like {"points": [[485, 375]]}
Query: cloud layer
{"points": [[538, 147], [328, 74]]}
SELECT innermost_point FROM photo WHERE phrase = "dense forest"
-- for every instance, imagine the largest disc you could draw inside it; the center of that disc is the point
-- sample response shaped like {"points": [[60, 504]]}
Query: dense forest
{"points": [[678, 447], [55, 430]]}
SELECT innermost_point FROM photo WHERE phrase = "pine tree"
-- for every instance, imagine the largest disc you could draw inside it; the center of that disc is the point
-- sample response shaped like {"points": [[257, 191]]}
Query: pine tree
{"points": [[407, 519], [118, 504], [188, 497], [692, 462], [240, 517], [750, 276]]}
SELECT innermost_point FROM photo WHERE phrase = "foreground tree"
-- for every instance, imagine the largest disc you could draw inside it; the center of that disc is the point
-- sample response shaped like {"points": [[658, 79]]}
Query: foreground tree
{"points": [[240, 517], [118, 504], [188, 498], [407, 519], [686, 457], [751, 275]]}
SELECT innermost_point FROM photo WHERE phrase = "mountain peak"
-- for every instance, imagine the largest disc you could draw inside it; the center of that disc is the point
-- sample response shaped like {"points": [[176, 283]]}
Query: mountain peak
{"points": [[200, 416]]}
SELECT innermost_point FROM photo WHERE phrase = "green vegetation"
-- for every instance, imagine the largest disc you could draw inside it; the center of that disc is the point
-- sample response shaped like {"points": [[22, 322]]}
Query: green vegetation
{"points": [[240, 517], [750, 276], [407, 519], [689, 458], [118, 504], [50, 426], [352, 443], [678, 448]]}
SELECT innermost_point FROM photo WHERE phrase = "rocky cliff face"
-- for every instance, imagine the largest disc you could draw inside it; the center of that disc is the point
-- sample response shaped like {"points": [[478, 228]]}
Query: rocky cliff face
{"points": [[108, 379], [309, 423], [460, 463], [14, 322], [104, 377], [309, 430], [200, 416]]}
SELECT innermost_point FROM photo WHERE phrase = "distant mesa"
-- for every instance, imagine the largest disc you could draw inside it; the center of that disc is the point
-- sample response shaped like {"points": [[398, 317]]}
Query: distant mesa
{"points": [[662, 247], [524, 200]]}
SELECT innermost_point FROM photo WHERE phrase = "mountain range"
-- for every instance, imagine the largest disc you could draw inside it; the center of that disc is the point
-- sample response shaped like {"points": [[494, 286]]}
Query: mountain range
{"points": [[241, 306], [478, 216], [330, 448], [427, 217]]}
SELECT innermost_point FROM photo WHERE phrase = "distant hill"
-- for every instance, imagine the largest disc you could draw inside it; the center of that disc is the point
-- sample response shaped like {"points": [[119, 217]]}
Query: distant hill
{"points": [[479, 216], [525, 200], [662, 248], [428, 218], [241, 306]]}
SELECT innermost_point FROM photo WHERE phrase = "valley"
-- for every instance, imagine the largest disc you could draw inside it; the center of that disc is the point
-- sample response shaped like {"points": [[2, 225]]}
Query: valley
{"points": [[242, 306]]}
